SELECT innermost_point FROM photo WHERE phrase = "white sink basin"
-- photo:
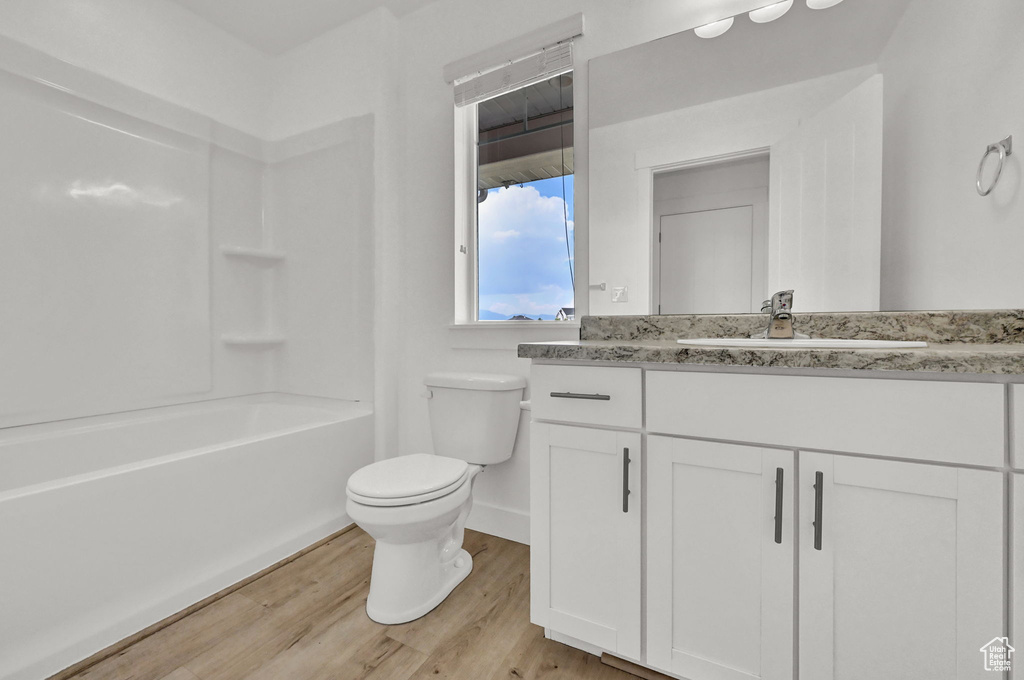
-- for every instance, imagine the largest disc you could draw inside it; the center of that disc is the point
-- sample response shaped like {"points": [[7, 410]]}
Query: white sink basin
{"points": [[809, 343]]}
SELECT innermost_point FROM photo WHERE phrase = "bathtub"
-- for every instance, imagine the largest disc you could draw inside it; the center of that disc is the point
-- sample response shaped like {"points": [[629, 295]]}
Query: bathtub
{"points": [[109, 524]]}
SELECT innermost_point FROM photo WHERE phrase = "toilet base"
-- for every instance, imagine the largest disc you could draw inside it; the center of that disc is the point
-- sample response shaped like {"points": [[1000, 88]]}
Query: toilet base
{"points": [[418, 559], [391, 601]]}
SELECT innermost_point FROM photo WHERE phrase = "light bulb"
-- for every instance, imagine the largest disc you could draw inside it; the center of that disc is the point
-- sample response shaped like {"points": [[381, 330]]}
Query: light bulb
{"points": [[771, 12], [714, 29], [822, 4]]}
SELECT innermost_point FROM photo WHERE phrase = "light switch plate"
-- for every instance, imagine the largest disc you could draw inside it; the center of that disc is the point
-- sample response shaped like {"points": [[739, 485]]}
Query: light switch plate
{"points": [[620, 294]]}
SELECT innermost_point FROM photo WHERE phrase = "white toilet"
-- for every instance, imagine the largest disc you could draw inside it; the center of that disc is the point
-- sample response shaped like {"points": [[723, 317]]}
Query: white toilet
{"points": [[416, 506]]}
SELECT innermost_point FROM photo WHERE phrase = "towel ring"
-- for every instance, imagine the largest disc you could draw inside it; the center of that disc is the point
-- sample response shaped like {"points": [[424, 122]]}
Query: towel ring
{"points": [[1004, 148]]}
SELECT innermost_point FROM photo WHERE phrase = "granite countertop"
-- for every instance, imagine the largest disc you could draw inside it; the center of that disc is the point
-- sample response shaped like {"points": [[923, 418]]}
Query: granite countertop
{"points": [[982, 342]]}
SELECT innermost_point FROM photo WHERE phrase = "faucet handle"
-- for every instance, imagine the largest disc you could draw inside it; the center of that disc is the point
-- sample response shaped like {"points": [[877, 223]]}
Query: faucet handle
{"points": [[766, 307], [782, 300]]}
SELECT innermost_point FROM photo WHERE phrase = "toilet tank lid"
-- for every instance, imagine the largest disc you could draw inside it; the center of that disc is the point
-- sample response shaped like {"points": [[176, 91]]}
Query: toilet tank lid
{"points": [[489, 382]]}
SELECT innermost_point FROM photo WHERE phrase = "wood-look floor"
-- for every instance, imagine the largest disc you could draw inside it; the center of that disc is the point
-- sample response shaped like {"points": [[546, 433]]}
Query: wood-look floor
{"points": [[307, 621]]}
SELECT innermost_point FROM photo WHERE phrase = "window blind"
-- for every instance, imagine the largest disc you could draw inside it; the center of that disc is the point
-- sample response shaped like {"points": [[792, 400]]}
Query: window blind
{"points": [[517, 73]]}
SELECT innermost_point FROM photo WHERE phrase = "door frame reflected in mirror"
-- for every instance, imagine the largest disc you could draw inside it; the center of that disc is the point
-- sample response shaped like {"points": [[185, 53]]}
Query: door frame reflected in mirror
{"points": [[694, 271]]}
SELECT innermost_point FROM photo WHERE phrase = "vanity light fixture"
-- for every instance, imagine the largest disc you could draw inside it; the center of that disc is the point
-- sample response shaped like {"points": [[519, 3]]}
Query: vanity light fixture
{"points": [[771, 12], [761, 15], [714, 29]]}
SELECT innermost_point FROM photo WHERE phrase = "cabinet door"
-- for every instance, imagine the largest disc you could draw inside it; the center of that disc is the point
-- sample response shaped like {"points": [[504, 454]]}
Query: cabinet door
{"points": [[720, 558], [585, 535], [1017, 621], [901, 569]]}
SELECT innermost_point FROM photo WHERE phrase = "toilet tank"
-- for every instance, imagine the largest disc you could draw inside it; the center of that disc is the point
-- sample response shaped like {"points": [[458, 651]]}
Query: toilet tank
{"points": [[474, 416]]}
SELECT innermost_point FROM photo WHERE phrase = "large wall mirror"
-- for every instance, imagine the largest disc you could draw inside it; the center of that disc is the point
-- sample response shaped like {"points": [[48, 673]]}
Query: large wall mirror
{"points": [[831, 151]]}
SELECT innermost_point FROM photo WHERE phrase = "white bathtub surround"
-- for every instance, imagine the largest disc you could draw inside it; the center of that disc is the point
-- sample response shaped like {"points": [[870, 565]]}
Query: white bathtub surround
{"points": [[103, 257], [154, 256], [146, 240], [110, 524]]}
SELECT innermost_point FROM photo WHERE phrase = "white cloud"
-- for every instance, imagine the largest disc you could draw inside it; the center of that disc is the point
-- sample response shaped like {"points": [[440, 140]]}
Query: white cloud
{"points": [[503, 235], [524, 263], [524, 211]]}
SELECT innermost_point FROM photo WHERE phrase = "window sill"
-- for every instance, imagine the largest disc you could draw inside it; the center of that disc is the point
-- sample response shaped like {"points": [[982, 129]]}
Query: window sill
{"points": [[506, 335], [503, 325]]}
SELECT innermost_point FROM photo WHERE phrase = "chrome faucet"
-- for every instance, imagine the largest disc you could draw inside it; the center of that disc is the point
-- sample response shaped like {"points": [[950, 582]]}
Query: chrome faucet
{"points": [[780, 321]]}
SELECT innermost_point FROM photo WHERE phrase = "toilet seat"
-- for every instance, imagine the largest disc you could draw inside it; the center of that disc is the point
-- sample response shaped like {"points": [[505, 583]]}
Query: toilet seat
{"points": [[407, 480]]}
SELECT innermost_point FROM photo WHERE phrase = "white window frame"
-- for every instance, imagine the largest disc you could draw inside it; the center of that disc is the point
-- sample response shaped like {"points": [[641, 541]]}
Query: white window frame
{"points": [[467, 297], [467, 279], [466, 274]]}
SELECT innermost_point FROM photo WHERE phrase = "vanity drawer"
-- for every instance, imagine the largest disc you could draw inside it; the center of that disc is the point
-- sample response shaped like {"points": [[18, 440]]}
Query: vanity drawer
{"points": [[921, 420], [587, 394]]}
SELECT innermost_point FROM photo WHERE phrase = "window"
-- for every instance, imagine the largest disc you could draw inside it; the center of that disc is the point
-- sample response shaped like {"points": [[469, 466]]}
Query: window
{"points": [[524, 210], [514, 191]]}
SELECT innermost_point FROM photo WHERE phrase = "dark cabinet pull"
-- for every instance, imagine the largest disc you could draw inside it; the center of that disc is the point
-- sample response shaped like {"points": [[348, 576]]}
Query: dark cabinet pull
{"points": [[779, 474], [819, 493], [625, 480], [573, 395]]}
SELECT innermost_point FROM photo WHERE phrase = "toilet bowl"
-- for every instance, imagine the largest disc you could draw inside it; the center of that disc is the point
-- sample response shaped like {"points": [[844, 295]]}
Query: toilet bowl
{"points": [[418, 559], [415, 506]]}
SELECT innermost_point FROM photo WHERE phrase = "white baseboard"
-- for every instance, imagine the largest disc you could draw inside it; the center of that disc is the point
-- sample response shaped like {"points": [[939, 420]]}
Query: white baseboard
{"points": [[513, 525]]}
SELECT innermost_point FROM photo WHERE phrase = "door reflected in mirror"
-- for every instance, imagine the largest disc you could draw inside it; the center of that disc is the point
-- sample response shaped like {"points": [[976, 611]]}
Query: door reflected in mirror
{"points": [[710, 254]]}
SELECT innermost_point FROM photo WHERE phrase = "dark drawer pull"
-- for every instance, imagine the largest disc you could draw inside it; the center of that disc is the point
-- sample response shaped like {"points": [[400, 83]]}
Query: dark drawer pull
{"points": [[819, 492], [573, 395], [779, 473], [625, 480]]}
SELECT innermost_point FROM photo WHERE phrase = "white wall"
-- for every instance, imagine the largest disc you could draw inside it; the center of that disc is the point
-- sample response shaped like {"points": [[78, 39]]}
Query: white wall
{"points": [[952, 77], [154, 46], [704, 180], [341, 74]]}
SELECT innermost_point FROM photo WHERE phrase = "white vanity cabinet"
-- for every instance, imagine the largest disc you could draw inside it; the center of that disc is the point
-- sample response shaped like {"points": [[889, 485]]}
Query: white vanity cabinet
{"points": [[901, 568], [720, 559], [585, 496], [816, 528], [585, 535]]}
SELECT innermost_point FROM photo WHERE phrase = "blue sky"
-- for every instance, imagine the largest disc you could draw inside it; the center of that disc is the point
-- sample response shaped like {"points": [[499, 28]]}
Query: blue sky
{"points": [[524, 267]]}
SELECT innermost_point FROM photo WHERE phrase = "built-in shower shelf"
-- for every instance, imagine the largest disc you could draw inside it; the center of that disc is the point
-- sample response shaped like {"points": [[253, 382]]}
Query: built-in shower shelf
{"points": [[255, 340], [254, 255]]}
